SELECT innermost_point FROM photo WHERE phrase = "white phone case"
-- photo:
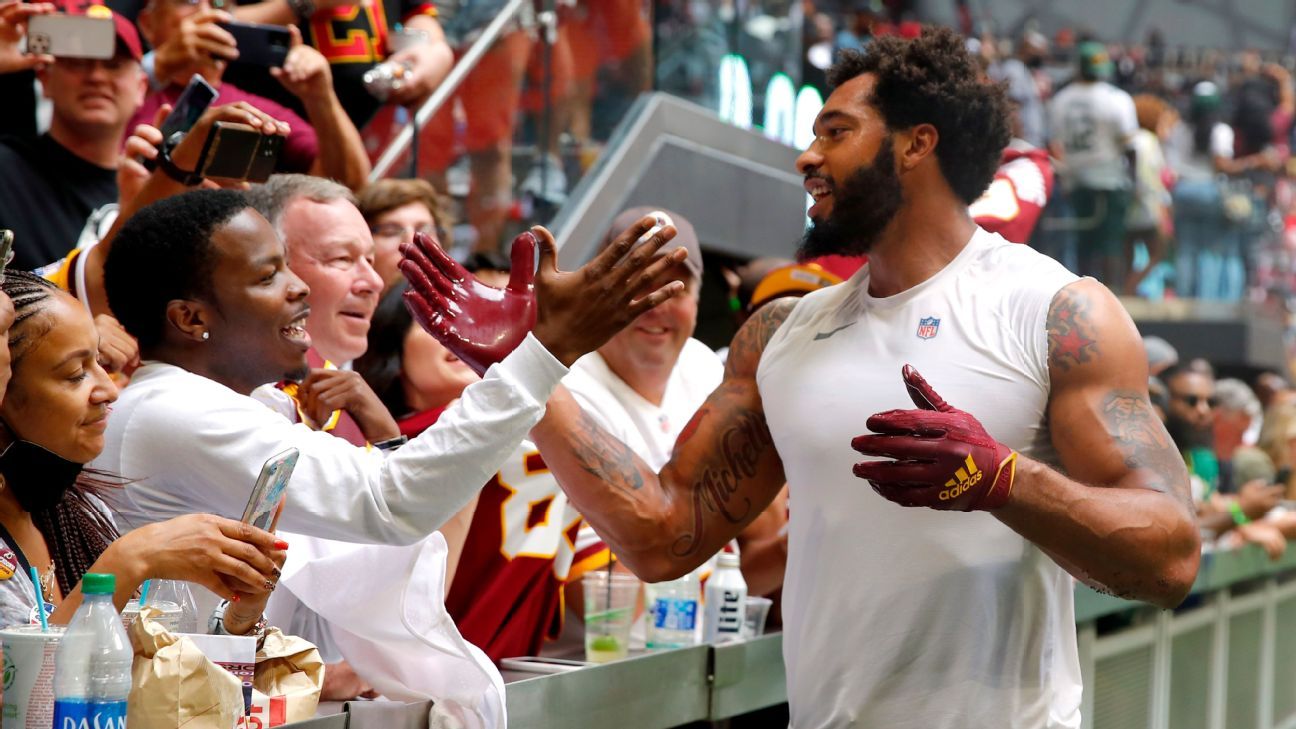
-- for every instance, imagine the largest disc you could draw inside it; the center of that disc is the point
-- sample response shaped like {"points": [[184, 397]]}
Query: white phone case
{"points": [[72, 36]]}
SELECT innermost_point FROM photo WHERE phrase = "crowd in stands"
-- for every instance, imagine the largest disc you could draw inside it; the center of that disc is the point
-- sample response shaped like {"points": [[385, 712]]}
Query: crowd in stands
{"points": [[180, 331], [1171, 162]]}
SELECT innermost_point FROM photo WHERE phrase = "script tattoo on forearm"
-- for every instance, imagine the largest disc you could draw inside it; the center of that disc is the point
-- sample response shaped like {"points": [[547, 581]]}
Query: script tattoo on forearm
{"points": [[1070, 331], [717, 491], [1144, 442], [603, 456]]}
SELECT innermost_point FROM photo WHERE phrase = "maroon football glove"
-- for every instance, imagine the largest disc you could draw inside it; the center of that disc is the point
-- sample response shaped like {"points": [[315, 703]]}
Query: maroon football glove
{"points": [[943, 458], [478, 323]]}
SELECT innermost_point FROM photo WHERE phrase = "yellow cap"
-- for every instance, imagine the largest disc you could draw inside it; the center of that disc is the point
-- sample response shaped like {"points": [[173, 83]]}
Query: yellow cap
{"points": [[795, 280]]}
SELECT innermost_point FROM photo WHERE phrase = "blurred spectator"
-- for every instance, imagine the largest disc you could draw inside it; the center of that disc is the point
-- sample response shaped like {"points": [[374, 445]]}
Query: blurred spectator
{"points": [[397, 209], [1092, 125], [1189, 419], [59, 190], [610, 41], [1023, 90], [1278, 439], [1237, 430], [489, 99], [188, 40], [403, 32], [1149, 218], [1271, 387], [1161, 355], [1208, 209]]}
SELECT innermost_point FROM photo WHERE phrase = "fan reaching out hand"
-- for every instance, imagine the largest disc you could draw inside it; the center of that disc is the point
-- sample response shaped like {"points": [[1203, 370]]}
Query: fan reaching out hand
{"points": [[571, 313]]}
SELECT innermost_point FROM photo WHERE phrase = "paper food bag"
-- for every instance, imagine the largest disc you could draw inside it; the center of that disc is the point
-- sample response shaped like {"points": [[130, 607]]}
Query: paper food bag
{"points": [[289, 676], [175, 685]]}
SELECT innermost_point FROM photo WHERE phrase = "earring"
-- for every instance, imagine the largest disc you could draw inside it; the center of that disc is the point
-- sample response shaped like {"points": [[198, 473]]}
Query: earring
{"points": [[206, 336]]}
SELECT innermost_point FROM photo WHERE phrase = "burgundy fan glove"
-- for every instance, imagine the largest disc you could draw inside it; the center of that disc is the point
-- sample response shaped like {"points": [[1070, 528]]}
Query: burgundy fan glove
{"points": [[478, 323], [943, 457]]}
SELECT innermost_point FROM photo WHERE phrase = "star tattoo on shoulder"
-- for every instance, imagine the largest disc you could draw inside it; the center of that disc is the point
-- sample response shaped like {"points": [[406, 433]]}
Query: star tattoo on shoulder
{"points": [[1070, 332]]}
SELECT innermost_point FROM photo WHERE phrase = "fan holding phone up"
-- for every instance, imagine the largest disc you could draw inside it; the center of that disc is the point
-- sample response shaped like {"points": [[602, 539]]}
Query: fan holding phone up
{"points": [[196, 41]]}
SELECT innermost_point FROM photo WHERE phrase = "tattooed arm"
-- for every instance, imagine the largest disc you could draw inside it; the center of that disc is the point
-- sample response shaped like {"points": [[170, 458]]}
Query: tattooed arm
{"points": [[723, 473], [1122, 518]]}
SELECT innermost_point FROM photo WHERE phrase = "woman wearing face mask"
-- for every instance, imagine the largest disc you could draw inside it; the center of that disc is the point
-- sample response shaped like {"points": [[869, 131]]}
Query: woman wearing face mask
{"points": [[52, 421]]}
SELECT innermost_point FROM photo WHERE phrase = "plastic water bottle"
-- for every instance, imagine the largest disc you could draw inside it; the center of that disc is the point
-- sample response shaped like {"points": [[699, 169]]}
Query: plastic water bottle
{"points": [[726, 598], [92, 669], [673, 612]]}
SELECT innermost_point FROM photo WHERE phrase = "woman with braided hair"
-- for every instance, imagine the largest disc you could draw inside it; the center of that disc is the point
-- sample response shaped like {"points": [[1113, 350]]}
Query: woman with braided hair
{"points": [[52, 420]]}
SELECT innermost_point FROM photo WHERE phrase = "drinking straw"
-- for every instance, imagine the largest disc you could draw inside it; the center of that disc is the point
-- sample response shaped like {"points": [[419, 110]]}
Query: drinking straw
{"points": [[40, 600], [607, 604], [144, 588]]}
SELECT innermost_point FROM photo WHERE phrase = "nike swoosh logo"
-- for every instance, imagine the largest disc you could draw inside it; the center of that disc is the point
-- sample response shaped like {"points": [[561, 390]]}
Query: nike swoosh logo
{"points": [[825, 335]]}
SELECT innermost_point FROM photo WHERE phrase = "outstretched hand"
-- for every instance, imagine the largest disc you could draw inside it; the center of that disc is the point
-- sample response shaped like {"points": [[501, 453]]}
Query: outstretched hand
{"points": [[943, 457], [572, 312], [477, 322]]}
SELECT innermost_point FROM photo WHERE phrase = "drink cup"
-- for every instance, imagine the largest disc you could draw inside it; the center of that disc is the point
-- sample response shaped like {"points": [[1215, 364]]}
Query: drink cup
{"points": [[755, 611], [29, 676], [610, 601]]}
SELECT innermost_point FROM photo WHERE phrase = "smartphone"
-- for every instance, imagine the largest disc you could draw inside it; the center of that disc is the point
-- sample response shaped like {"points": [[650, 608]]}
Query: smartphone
{"points": [[191, 104], [540, 664], [270, 491], [72, 36], [6, 251], [260, 44], [193, 101], [239, 152], [1283, 476]]}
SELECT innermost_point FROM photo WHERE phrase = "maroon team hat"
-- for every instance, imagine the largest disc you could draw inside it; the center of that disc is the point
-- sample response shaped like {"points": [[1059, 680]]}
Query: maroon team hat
{"points": [[127, 35]]}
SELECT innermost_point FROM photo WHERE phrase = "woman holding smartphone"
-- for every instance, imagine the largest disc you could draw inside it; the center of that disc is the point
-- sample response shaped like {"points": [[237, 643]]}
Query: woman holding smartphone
{"points": [[52, 421]]}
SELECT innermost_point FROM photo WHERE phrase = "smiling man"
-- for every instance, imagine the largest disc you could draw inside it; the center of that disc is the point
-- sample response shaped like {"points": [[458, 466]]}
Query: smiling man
{"points": [[649, 379], [331, 249], [60, 188], [901, 610]]}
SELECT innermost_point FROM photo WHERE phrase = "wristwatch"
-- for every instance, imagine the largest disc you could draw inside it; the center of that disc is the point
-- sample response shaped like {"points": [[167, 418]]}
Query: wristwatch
{"points": [[216, 624], [188, 178], [303, 9], [391, 444]]}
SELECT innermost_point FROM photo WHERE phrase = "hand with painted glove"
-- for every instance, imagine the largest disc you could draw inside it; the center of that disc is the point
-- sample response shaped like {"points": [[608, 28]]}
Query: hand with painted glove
{"points": [[479, 323], [943, 457], [572, 313]]}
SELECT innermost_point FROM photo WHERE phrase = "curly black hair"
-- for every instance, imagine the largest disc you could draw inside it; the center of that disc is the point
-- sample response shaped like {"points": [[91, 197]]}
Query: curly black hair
{"points": [[164, 253], [934, 80]]}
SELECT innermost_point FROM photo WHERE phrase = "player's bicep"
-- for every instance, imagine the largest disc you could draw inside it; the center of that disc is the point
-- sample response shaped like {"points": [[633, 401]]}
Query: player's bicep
{"points": [[1102, 423]]}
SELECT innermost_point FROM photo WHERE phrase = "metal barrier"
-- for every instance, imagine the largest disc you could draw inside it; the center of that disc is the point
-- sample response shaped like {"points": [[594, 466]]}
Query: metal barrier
{"points": [[466, 64], [1226, 660]]}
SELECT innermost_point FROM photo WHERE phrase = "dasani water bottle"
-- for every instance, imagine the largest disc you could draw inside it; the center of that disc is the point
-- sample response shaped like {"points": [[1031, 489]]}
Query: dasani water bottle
{"points": [[92, 674]]}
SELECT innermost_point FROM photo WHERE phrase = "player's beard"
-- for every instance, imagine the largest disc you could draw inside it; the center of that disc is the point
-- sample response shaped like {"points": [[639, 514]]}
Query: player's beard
{"points": [[863, 206]]}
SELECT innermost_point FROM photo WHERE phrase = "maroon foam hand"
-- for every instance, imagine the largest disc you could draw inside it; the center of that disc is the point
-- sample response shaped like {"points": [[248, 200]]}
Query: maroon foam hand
{"points": [[942, 457], [478, 323]]}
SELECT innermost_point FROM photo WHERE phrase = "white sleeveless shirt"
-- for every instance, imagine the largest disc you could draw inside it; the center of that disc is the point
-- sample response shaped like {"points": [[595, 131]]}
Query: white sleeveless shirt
{"points": [[909, 617]]}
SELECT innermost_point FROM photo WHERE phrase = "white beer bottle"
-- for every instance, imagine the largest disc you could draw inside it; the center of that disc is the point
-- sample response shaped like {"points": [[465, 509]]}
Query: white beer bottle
{"points": [[726, 599]]}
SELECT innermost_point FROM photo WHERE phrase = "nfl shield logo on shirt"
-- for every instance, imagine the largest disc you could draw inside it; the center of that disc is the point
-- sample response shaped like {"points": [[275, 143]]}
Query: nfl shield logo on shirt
{"points": [[927, 327]]}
